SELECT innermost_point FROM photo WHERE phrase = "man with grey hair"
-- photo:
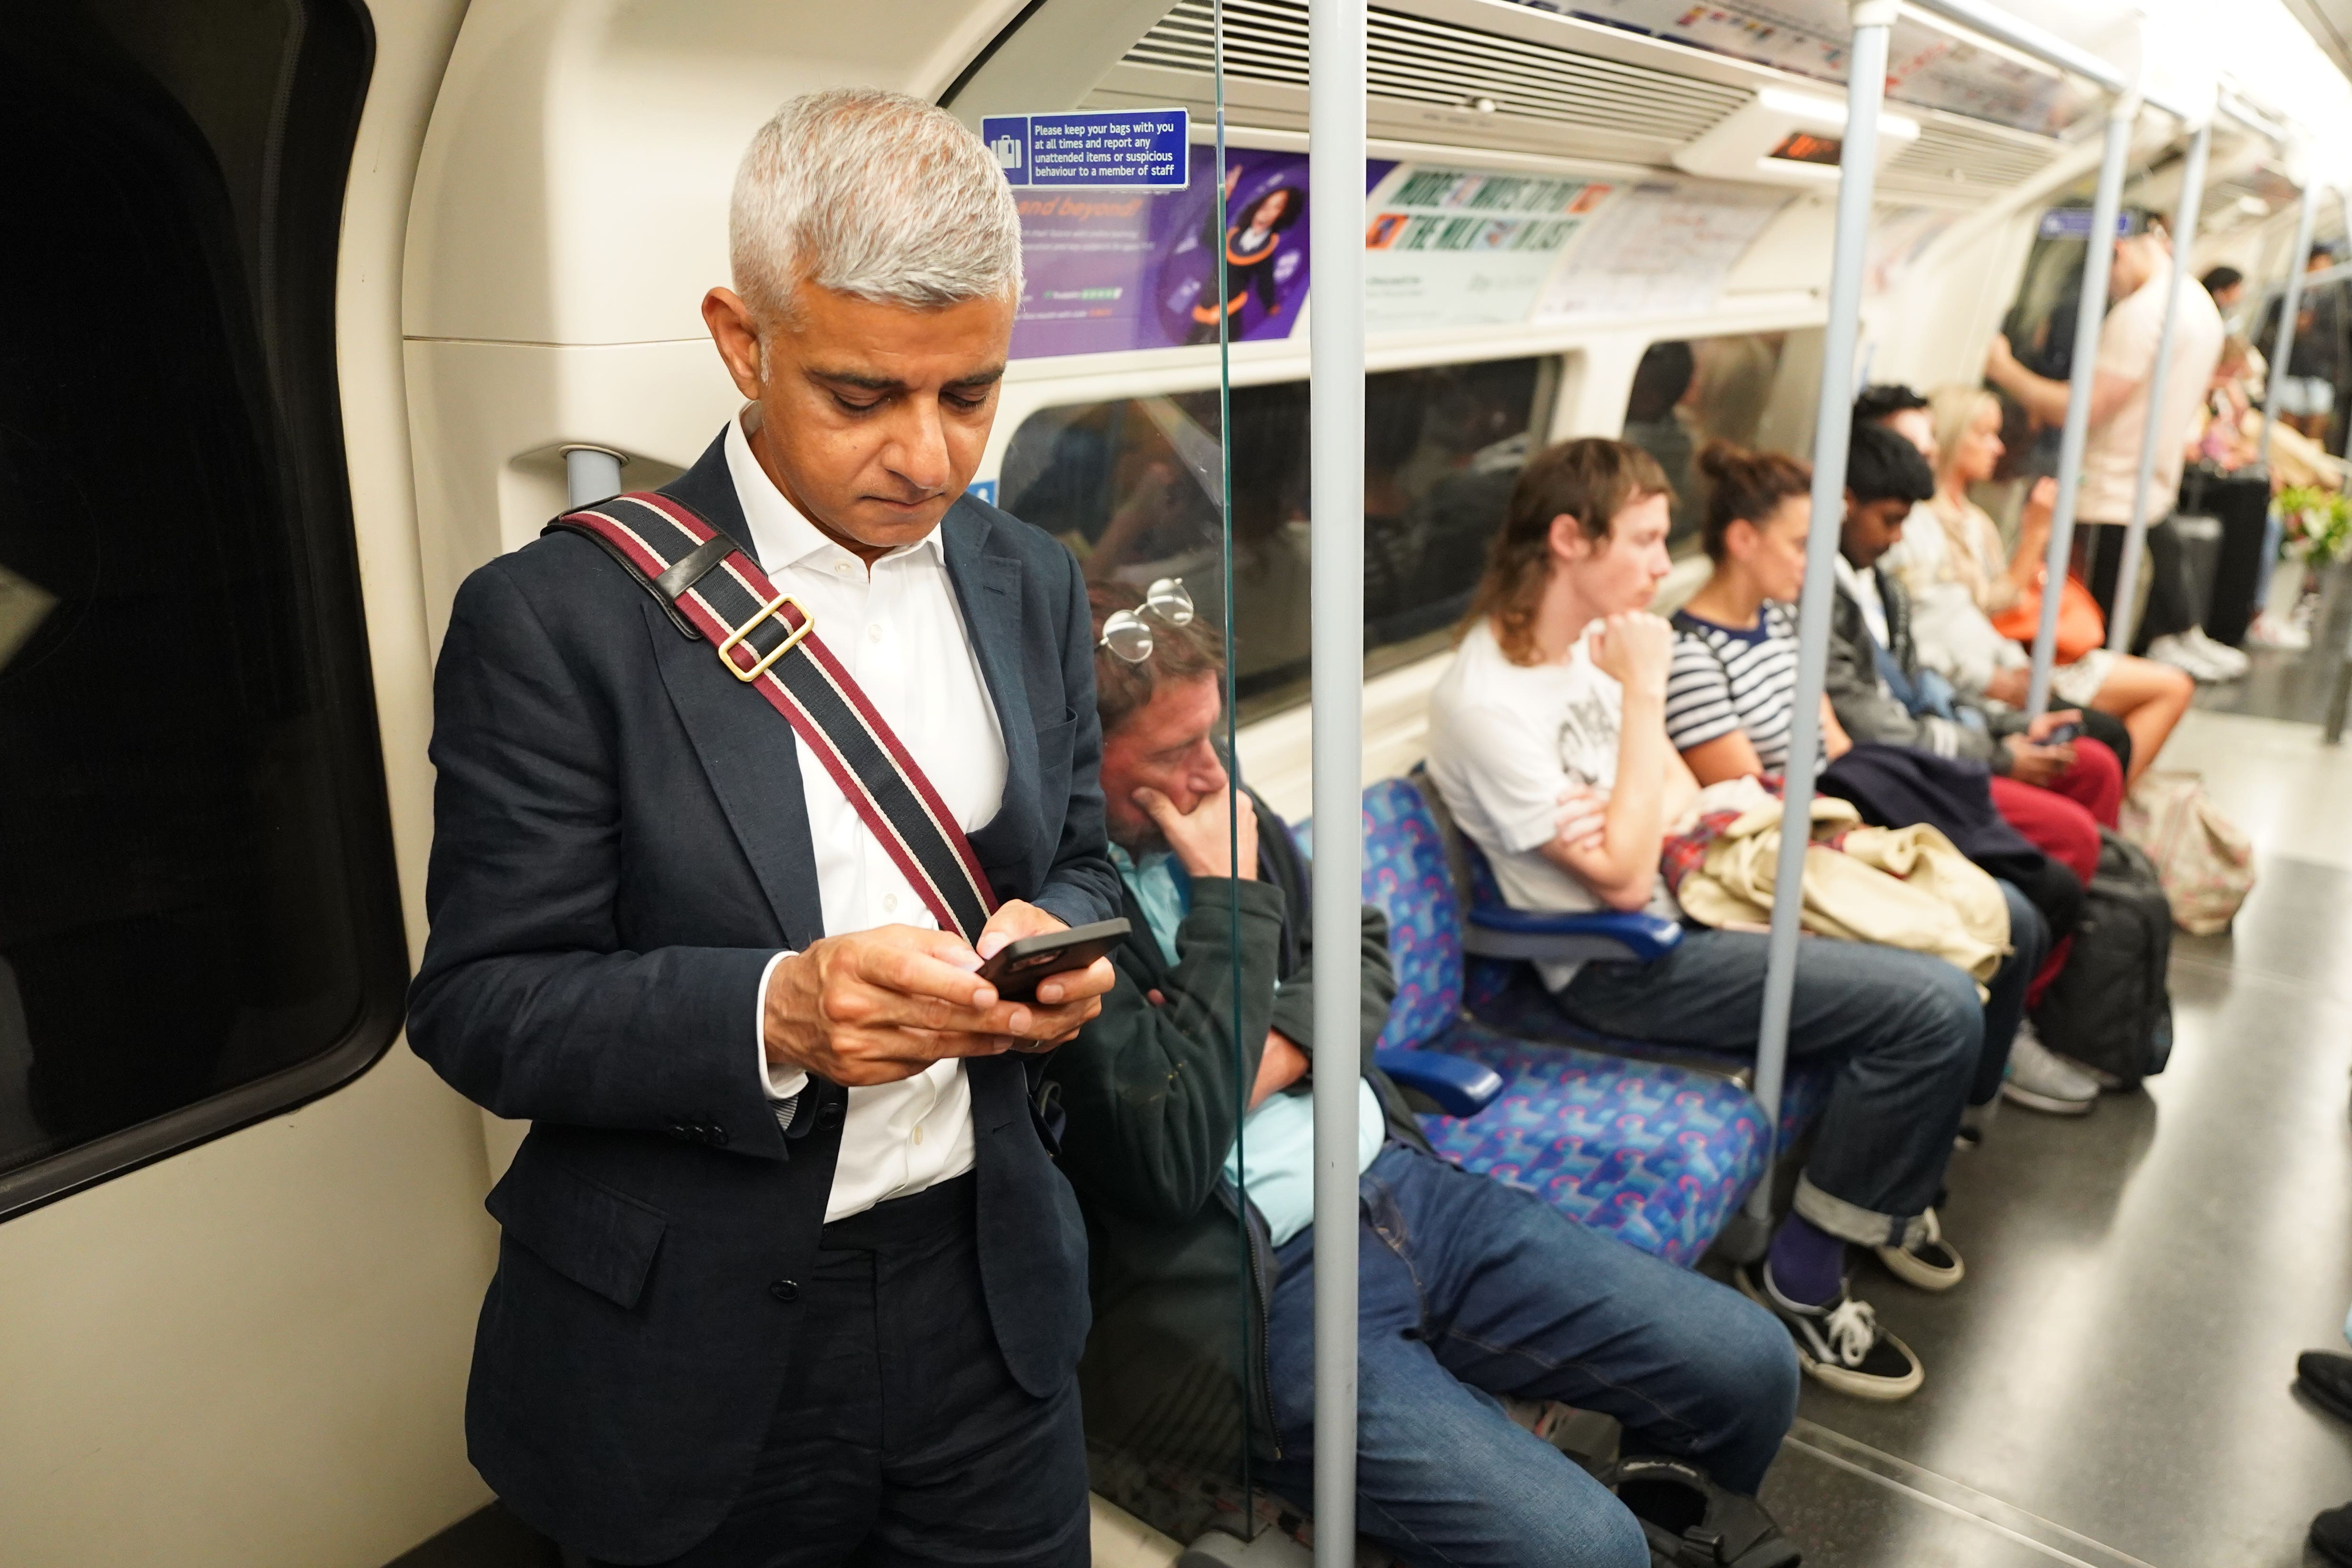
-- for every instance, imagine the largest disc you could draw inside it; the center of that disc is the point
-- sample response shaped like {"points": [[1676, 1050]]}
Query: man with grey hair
{"points": [[788, 1275]]}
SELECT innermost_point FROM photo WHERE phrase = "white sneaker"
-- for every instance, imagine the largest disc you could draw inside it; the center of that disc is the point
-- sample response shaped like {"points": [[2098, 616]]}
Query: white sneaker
{"points": [[2039, 1081], [2269, 631], [2219, 653], [2175, 650], [1925, 1259]]}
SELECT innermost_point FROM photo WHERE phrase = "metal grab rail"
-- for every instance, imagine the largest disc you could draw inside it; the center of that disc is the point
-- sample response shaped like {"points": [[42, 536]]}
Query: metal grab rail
{"points": [[1336, 48], [1832, 425], [2184, 237]]}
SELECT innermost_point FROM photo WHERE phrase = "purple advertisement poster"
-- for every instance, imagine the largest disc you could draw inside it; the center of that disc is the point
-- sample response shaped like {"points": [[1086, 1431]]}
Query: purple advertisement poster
{"points": [[1114, 271]]}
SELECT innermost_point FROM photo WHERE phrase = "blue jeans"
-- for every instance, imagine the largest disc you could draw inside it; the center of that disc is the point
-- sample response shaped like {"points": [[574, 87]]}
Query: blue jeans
{"points": [[1904, 1030], [1470, 1289]]}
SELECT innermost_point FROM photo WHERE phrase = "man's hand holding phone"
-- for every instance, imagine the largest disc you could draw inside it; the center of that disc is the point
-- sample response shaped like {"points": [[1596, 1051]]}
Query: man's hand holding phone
{"points": [[874, 1007]]}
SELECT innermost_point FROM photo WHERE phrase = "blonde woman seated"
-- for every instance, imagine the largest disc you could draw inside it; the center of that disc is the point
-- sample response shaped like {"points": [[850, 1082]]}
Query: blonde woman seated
{"points": [[1959, 578]]}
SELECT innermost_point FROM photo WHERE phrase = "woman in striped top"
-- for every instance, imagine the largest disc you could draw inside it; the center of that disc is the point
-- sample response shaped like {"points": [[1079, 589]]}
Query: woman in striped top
{"points": [[1729, 694]]}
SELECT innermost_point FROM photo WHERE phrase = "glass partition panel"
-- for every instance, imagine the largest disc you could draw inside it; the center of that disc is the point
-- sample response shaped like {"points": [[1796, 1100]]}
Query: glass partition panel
{"points": [[1163, 1090]]}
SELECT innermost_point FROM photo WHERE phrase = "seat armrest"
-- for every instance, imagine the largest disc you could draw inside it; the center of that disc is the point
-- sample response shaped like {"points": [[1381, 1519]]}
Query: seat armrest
{"points": [[1538, 935], [1456, 1085]]}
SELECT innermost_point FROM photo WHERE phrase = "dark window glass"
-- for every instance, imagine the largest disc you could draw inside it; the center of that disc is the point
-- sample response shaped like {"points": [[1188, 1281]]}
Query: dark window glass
{"points": [[198, 922], [1131, 485], [1752, 389]]}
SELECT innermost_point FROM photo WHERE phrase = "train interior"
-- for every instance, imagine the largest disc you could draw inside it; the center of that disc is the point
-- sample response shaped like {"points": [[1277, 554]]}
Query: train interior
{"points": [[375, 277]]}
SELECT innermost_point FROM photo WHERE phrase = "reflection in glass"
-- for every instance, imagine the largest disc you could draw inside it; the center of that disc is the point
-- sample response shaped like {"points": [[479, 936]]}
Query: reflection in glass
{"points": [[1131, 487], [1752, 389]]}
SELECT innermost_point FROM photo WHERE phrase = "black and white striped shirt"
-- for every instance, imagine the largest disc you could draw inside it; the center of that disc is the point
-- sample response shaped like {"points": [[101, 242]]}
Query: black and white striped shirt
{"points": [[1724, 680]]}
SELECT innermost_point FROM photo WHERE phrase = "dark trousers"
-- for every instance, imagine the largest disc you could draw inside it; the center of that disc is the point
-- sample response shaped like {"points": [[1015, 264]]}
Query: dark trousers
{"points": [[1905, 1031], [1468, 1289], [900, 1438], [2171, 601]]}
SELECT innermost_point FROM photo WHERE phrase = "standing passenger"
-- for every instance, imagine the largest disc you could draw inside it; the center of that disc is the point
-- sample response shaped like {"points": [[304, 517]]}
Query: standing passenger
{"points": [[2139, 285], [788, 1275]]}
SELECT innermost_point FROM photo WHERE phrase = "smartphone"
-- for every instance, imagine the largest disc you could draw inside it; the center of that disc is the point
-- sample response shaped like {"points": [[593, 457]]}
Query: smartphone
{"points": [[2064, 735], [1019, 966]]}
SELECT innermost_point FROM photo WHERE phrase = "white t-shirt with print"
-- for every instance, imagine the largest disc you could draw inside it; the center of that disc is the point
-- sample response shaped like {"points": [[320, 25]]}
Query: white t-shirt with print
{"points": [[1504, 740]]}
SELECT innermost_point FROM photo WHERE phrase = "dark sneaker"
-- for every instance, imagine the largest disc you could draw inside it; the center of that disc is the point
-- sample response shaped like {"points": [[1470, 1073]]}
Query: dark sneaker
{"points": [[2325, 1379], [1925, 1259], [2331, 1536], [1840, 1344], [1688, 1520]]}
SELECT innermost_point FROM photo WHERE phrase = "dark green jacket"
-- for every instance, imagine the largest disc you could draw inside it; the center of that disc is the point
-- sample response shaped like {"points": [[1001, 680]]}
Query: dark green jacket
{"points": [[1153, 1096]]}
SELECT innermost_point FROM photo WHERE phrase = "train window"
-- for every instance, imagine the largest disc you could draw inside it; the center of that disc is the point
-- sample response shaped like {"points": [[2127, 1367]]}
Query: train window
{"points": [[198, 921], [1753, 389], [1129, 484]]}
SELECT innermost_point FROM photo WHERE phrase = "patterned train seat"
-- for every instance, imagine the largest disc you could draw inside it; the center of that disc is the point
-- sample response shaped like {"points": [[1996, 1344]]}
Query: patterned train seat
{"points": [[1656, 1154]]}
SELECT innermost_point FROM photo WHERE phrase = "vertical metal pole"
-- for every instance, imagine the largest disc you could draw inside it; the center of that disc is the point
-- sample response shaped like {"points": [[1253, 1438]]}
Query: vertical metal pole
{"points": [[2307, 214], [2098, 258], [1251, 1323], [1334, 121], [590, 474], [1833, 423], [2184, 236]]}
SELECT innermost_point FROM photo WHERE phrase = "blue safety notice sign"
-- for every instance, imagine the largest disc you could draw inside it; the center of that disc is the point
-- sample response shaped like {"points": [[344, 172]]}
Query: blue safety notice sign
{"points": [[1115, 149]]}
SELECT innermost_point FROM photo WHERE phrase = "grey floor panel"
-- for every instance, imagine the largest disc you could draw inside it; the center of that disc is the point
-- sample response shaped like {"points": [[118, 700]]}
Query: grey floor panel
{"points": [[1850, 1506], [2295, 925], [2281, 685], [2139, 1282]]}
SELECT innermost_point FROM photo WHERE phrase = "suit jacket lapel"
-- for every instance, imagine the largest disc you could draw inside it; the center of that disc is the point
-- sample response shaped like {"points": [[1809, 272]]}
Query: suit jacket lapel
{"points": [[753, 758], [988, 590], [748, 753]]}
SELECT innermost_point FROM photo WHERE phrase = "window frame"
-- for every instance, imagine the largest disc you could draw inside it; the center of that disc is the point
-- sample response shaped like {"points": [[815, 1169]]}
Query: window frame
{"points": [[326, 96], [1028, 395]]}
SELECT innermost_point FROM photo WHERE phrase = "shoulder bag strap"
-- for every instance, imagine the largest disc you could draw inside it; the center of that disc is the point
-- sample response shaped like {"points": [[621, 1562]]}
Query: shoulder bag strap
{"points": [[710, 589]]}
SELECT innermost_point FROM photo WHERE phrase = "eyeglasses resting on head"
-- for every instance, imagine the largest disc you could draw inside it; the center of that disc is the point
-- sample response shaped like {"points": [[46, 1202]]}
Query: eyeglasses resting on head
{"points": [[1124, 632]]}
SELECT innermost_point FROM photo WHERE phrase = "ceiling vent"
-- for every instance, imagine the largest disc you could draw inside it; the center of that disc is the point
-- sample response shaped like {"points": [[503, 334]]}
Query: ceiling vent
{"points": [[1441, 81], [1419, 61], [1957, 155]]}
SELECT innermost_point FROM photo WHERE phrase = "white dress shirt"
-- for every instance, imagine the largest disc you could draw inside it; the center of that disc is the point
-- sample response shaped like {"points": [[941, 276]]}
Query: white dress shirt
{"points": [[897, 630], [1863, 586]]}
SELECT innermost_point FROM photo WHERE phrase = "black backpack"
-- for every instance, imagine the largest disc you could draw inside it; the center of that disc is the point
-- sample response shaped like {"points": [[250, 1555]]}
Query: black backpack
{"points": [[2109, 1008]]}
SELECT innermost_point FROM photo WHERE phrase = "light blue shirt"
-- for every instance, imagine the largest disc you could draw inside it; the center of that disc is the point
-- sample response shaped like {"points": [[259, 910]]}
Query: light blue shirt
{"points": [[1272, 1160]]}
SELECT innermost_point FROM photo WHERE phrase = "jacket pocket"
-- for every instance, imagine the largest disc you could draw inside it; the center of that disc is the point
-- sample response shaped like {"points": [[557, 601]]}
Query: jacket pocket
{"points": [[598, 1239], [1054, 745]]}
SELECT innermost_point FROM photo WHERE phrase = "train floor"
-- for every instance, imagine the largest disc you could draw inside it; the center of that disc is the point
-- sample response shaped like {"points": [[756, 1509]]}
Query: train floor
{"points": [[2109, 1387]]}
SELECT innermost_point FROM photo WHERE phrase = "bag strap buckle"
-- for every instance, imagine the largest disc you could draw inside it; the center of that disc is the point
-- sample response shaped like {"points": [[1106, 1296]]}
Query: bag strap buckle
{"points": [[766, 611]]}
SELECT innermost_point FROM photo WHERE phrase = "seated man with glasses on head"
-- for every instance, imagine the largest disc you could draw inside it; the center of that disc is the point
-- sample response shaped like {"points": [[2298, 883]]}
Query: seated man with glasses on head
{"points": [[1470, 1288]]}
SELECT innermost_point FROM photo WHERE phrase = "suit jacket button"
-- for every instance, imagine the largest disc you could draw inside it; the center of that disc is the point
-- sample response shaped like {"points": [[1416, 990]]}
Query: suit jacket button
{"points": [[828, 1115], [785, 1290], [717, 1135]]}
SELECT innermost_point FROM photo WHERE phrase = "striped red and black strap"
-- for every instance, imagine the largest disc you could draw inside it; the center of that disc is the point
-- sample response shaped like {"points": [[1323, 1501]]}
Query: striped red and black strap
{"points": [[768, 640]]}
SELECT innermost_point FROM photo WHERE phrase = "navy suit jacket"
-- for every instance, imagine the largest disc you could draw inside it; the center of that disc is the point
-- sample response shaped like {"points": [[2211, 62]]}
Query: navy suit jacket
{"points": [[619, 847]]}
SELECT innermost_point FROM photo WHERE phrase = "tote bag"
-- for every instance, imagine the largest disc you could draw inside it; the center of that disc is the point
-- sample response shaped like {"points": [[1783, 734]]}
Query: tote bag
{"points": [[2205, 861]]}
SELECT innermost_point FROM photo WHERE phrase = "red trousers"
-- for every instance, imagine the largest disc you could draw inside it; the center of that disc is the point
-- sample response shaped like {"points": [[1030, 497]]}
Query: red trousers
{"points": [[2063, 822]]}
